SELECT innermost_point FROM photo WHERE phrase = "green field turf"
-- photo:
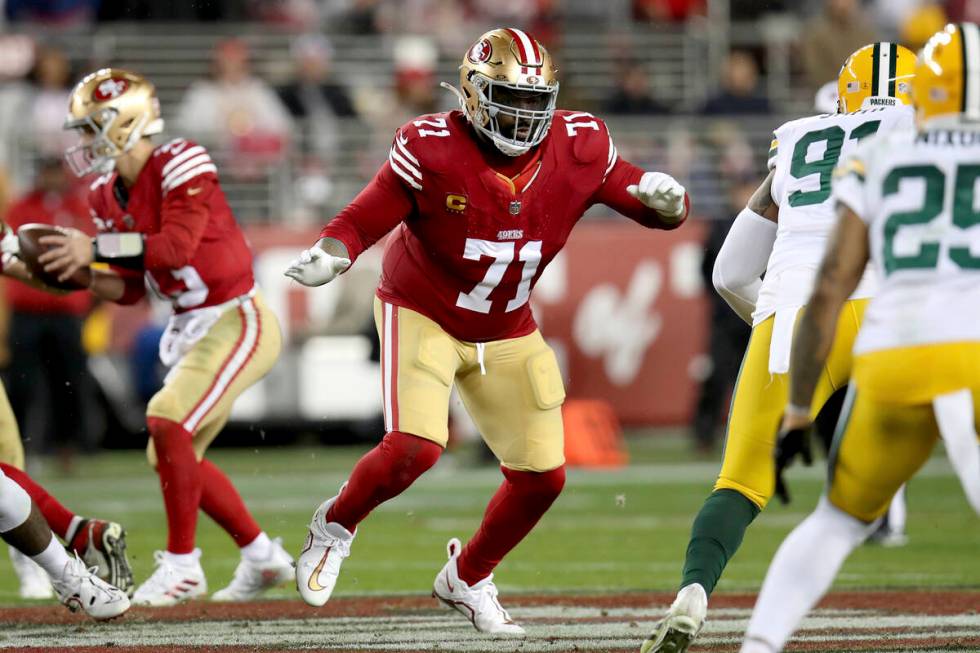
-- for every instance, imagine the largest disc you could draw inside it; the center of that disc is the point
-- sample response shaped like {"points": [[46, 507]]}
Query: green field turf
{"points": [[610, 531]]}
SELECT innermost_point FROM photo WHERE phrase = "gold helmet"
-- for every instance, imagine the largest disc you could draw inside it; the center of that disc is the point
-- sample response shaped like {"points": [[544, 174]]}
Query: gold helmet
{"points": [[509, 88], [879, 74], [947, 77], [113, 108]]}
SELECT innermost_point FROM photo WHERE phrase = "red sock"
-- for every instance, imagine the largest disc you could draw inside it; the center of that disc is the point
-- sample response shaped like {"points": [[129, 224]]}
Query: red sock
{"points": [[384, 472], [513, 511], [180, 480], [58, 517], [221, 502]]}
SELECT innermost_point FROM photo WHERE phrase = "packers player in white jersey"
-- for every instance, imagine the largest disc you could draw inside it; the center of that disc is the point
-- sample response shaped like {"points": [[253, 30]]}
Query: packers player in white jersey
{"points": [[908, 203], [783, 233]]}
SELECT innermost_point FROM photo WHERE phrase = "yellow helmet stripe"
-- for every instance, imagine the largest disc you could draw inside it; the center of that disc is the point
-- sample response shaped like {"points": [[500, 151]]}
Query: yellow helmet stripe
{"points": [[970, 37]]}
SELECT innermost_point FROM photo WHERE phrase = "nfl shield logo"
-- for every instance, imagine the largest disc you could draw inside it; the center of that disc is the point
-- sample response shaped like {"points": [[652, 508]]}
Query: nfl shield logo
{"points": [[515, 207]]}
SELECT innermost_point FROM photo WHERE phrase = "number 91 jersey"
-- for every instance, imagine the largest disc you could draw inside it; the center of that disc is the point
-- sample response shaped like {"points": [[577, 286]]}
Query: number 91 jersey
{"points": [[804, 154], [476, 240]]}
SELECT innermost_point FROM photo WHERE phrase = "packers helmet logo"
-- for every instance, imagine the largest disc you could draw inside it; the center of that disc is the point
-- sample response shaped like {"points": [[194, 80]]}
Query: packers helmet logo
{"points": [[480, 52], [455, 203], [110, 89]]}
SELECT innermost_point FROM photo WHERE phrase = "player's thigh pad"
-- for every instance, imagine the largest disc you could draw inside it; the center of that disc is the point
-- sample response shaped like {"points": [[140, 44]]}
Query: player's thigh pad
{"points": [[516, 404], [11, 447], [418, 364], [238, 350], [877, 448]]}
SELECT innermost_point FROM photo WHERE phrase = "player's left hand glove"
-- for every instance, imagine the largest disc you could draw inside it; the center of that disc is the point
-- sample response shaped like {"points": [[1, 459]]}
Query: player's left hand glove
{"points": [[793, 440], [660, 192], [315, 267]]}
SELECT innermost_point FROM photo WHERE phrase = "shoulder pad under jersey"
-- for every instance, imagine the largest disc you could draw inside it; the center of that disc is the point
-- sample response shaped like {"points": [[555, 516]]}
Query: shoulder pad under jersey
{"points": [[179, 161]]}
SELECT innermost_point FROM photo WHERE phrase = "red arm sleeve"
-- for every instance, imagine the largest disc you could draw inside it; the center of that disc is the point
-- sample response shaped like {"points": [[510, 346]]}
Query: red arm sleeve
{"points": [[183, 218], [135, 287], [613, 194], [379, 208]]}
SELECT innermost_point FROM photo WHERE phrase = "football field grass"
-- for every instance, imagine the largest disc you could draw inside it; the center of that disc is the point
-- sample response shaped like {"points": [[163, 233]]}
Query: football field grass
{"points": [[611, 530]]}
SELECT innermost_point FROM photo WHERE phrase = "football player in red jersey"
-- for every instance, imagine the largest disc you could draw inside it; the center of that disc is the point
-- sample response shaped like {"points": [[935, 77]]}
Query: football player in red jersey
{"points": [[160, 212], [480, 201]]}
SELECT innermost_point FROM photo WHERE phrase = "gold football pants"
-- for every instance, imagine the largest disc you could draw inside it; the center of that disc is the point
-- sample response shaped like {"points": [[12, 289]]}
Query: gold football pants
{"points": [[760, 397], [888, 424], [511, 388], [200, 390], [11, 447]]}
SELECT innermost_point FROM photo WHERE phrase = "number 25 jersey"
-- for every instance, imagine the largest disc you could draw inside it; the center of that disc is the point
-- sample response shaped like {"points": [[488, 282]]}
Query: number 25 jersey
{"points": [[804, 154], [470, 241], [918, 193]]}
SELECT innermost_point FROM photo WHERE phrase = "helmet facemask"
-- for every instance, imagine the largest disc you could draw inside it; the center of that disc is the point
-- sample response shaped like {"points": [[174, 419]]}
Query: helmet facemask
{"points": [[97, 152], [514, 117]]}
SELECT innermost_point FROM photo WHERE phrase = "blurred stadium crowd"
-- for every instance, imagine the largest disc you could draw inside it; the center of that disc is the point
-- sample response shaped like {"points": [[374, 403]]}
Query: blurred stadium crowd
{"points": [[297, 100]]}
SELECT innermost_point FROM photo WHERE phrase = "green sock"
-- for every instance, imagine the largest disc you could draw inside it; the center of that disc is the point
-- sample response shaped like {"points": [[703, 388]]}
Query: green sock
{"points": [[715, 537]]}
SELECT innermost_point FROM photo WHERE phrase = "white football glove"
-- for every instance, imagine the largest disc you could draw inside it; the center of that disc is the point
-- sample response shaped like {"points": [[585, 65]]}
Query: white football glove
{"points": [[315, 267], [9, 245], [660, 192]]}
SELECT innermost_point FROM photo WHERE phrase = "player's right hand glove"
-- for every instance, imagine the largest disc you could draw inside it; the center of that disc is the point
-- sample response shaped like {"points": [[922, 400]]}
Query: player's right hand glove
{"points": [[315, 267], [9, 245], [660, 192], [790, 443]]}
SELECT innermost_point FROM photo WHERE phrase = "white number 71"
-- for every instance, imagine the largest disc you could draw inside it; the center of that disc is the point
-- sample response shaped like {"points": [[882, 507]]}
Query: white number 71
{"points": [[503, 254]]}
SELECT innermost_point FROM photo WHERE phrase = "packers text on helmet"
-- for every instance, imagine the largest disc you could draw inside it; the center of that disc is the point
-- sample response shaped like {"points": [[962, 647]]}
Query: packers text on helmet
{"points": [[879, 74]]}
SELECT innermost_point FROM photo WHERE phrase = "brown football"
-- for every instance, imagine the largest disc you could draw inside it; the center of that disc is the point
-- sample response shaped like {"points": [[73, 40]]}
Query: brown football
{"points": [[29, 237]]}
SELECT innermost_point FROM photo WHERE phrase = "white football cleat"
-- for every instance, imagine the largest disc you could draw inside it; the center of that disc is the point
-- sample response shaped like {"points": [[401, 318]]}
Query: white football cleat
{"points": [[104, 547], [252, 578], [318, 565], [478, 603], [80, 589], [35, 584], [682, 624], [171, 583]]}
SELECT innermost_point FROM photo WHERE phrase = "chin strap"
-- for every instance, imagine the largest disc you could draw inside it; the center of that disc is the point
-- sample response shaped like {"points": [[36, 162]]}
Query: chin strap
{"points": [[455, 91]]}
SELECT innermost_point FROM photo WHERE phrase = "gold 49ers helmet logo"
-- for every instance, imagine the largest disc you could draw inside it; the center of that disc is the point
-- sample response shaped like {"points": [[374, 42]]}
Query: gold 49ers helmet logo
{"points": [[110, 89], [480, 51]]}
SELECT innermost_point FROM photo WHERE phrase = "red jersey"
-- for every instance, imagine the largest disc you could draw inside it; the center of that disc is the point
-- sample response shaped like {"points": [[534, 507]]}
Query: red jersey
{"points": [[64, 210], [474, 229], [195, 254]]}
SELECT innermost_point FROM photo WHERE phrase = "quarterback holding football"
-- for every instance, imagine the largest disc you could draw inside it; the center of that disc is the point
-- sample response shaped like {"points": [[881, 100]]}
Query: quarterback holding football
{"points": [[478, 201], [161, 215]]}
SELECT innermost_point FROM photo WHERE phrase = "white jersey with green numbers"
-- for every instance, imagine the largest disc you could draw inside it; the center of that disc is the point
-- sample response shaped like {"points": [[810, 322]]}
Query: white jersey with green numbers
{"points": [[919, 194], [804, 154]]}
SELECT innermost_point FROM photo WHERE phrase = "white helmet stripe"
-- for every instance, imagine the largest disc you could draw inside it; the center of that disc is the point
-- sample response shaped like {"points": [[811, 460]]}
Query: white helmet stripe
{"points": [[971, 72], [883, 49], [528, 49]]}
